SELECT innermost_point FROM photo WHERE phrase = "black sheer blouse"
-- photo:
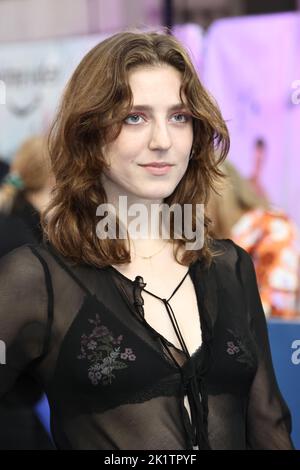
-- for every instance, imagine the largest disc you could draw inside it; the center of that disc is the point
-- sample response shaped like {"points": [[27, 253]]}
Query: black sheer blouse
{"points": [[113, 382]]}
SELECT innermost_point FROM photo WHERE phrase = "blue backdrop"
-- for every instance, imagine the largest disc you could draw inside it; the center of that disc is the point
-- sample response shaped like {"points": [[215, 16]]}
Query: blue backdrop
{"points": [[282, 336]]}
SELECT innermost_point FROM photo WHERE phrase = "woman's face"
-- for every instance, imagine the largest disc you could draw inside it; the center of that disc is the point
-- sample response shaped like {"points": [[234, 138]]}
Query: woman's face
{"points": [[158, 129]]}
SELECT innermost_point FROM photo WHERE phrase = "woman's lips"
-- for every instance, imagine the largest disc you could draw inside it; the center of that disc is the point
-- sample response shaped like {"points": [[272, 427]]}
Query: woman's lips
{"points": [[157, 170]]}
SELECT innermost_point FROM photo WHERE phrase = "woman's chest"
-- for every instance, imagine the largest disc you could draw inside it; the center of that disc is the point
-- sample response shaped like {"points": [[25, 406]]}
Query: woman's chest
{"points": [[184, 305]]}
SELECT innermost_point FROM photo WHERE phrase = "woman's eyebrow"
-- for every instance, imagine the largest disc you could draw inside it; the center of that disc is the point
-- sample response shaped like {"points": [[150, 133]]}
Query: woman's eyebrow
{"points": [[144, 107]]}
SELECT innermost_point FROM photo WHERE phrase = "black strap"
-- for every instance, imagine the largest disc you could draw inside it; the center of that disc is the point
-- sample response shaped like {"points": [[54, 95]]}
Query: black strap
{"points": [[67, 269], [50, 295], [172, 315], [176, 289]]}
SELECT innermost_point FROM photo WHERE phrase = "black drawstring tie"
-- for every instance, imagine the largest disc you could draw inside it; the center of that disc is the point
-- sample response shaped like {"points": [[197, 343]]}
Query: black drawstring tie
{"points": [[193, 387], [192, 383]]}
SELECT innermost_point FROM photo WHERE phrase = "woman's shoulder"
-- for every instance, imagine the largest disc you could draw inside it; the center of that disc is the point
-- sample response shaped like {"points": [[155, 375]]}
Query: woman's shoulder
{"points": [[225, 248], [23, 263], [23, 289], [229, 256]]}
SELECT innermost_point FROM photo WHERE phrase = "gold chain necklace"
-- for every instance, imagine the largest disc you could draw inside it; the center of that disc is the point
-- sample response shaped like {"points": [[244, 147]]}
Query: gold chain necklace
{"points": [[151, 256]]}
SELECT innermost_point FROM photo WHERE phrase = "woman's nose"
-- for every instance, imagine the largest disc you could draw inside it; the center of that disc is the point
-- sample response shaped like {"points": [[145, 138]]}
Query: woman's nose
{"points": [[160, 137]]}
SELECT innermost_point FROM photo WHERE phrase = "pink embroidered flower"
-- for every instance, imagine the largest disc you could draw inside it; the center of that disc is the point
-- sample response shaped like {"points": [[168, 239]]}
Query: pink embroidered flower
{"points": [[101, 349], [232, 348], [92, 345]]}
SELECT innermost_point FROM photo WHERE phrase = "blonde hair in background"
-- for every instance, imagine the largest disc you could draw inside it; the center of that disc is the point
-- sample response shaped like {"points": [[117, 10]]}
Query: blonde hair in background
{"points": [[233, 193], [31, 166]]}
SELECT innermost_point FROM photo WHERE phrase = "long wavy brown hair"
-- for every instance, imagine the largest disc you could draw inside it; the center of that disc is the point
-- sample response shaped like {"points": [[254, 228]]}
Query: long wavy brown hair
{"points": [[94, 105]]}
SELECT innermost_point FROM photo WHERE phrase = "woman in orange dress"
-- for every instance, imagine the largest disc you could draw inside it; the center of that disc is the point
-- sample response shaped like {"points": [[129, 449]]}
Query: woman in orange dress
{"points": [[268, 235]]}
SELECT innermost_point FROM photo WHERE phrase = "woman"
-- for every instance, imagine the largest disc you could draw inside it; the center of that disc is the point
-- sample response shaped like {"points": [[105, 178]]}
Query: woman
{"points": [[24, 194], [184, 363]]}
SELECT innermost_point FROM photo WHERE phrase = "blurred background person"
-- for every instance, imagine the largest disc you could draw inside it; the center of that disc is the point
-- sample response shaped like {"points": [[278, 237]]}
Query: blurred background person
{"points": [[4, 167], [259, 159], [24, 192], [267, 234]]}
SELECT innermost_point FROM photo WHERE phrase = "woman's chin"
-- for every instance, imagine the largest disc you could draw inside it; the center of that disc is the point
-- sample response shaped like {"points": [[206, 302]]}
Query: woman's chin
{"points": [[157, 194]]}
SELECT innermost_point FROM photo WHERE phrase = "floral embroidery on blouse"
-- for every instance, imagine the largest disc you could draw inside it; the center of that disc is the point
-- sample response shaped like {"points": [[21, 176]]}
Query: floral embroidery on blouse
{"points": [[104, 353], [240, 348], [232, 348]]}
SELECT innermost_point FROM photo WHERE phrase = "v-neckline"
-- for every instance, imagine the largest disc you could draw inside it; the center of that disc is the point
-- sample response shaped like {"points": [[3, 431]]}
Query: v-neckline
{"points": [[201, 347], [138, 275]]}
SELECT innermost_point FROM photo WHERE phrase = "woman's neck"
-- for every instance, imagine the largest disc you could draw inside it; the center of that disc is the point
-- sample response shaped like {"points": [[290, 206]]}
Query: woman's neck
{"points": [[139, 216]]}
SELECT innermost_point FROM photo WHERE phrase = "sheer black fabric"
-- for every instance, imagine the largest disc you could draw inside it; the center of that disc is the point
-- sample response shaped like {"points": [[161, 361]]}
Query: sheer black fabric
{"points": [[113, 382], [22, 226], [21, 428]]}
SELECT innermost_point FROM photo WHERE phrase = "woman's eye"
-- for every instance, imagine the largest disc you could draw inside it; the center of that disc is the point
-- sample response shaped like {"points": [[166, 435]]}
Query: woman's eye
{"points": [[135, 118], [182, 117], [132, 119]]}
